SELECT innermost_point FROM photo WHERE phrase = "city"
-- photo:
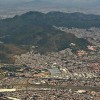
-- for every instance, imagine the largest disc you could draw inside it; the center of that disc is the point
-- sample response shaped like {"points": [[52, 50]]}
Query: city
{"points": [[49, 50]]}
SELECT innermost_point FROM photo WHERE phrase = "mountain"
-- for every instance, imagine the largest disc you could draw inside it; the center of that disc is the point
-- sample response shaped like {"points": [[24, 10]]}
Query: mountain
{"points": [[7, 51], [36, 28], [69, 20]]}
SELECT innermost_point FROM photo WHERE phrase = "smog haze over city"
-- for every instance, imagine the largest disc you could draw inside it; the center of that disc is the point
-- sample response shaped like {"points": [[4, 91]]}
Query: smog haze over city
{"points": [[21, 6]]}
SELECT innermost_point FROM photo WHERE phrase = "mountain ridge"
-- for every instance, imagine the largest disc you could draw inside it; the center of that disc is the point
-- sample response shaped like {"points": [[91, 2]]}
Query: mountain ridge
{"points": [[36, 28]]}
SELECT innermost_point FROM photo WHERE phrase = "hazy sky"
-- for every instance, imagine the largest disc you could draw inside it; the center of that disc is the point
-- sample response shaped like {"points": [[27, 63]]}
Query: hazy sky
{"points": [[65, 1], [91, 6], [70, 3]]}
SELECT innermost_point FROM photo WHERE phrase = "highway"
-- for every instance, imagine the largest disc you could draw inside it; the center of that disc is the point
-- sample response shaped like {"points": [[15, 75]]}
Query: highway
{"points": [[50, 87]]}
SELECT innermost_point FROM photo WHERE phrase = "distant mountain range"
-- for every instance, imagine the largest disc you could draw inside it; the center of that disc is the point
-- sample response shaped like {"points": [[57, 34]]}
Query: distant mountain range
{"points": [[36, 28]]}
